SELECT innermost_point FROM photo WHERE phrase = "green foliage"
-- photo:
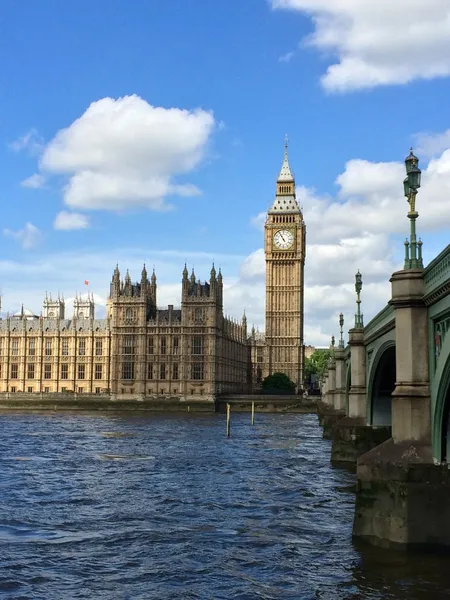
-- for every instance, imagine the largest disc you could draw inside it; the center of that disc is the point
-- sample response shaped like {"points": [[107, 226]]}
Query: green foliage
{"points": [[317, 363], [278, 381]]}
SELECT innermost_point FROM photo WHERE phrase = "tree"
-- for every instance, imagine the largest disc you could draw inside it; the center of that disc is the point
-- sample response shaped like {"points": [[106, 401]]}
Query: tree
{"points": [[317, 363], [278, 382]]}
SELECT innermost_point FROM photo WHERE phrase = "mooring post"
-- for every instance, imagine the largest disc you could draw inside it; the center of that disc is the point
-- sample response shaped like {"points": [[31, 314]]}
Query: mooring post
{"points": [[228, 419], [253, 413]]}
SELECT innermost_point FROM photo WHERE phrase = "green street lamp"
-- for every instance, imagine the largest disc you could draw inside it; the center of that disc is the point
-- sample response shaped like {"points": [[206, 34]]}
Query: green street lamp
{"points": [[341, 325], [411, 184], [358, 287]]}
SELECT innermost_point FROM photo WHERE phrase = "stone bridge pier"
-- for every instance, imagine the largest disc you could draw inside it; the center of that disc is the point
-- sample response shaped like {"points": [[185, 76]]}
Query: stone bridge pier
{"points": [[352, 435], [333, 395], [402, 496]]}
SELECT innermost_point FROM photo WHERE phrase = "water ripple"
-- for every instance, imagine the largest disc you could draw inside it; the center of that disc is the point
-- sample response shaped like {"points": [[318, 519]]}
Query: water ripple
{"points": [[166, 507]]}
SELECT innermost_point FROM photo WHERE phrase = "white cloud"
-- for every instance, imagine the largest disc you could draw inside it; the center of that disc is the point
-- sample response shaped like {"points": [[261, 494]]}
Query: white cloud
{"points": [[125, 153], [431, 144], [35, 181], [286, 57], [66, 221], [28, 237], [378, 43], [31, 141]]}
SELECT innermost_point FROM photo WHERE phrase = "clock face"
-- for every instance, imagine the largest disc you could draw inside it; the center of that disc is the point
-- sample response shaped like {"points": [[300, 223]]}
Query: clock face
{"points": [[283, 239]]}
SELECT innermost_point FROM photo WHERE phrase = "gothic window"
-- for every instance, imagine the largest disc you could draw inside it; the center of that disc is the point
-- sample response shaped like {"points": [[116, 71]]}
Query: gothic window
{"points": [[130, 315], [51, 314], [81, 371], [64, 371], [30, 371], [81, 346], [32, 346], [81, 315], [47, 371], [197, 371], [48, 347], [128, 370], [128, 344], [98, 347], [14, 347], [150, 345], [150, 371], [65, 347], [98, 371], [176, 345], [1, 346], [162, 371], [163, 345], [197, 344], [198, 315], [175, 374]]}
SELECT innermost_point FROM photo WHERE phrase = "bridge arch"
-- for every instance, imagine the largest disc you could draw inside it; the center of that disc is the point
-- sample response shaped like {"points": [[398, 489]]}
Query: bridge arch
{"points": [[381, 384], [441, 424]]}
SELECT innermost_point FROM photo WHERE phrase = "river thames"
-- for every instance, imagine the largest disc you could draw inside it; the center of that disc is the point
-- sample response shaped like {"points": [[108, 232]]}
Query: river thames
{"points": [[162, 507]]}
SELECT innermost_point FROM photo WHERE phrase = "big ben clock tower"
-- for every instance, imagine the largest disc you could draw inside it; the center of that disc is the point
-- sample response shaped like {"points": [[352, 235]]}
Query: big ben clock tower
{"points": [[285, 248]]}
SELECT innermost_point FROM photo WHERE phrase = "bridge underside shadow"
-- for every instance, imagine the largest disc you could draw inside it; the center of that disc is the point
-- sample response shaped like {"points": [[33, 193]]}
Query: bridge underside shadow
{"points": [[446, 428], [382, 388]]}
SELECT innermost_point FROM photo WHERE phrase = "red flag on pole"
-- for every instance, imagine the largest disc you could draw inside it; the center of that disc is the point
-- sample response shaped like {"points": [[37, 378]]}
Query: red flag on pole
{"points": [[86, 282]]}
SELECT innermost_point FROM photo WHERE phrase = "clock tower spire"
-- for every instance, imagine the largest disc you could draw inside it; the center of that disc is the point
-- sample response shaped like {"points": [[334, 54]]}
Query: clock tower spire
{"points": [[285, 248]]}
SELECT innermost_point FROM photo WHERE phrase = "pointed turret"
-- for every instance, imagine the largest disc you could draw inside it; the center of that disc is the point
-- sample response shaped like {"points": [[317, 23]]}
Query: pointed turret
{"points": [[153, 277], [192, 276], [116, 274], [144, 275], [213, 273], [185, 272], [114, 288]]}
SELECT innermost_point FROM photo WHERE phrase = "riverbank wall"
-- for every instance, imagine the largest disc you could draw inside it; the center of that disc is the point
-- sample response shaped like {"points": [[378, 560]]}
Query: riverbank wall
{"points": [[104, 402]]}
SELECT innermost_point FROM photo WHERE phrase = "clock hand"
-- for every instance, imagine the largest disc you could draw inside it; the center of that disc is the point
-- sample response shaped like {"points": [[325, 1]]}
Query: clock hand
{"points": [[281, 236]]}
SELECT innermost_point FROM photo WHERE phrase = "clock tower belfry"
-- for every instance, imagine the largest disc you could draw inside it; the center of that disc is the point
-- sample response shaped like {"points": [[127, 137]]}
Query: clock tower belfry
{"points": [[285, 249]]}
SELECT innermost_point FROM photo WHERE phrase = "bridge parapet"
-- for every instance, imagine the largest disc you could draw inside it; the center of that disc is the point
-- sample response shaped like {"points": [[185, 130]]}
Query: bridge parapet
{"points": [[437, 277], [382, 322]]}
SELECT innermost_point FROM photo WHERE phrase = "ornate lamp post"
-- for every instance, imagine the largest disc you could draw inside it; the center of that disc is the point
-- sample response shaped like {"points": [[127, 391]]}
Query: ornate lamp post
{"points": [[411, 184], [358, 287], [341, 325]]}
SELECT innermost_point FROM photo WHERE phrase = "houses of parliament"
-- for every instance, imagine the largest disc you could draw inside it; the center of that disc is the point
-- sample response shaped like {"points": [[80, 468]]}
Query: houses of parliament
{"points": [[141, 350]]}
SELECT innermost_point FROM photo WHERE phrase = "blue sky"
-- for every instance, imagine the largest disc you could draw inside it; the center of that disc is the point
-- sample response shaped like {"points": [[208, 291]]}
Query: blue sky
{"points": [[245, 74]]}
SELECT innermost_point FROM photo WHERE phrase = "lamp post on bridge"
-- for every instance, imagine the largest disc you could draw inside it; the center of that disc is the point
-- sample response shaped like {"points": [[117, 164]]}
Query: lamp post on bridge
{"points": [[359, 324], [341, 325], [411, 184]]}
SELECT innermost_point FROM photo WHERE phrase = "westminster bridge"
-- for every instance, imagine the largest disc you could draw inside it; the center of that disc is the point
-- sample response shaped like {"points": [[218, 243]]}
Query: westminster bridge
{"points": [[386, 401]]}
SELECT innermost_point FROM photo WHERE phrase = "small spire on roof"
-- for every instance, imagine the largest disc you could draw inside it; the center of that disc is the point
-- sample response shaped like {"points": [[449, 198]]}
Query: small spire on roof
{"points": [[286, 173]]}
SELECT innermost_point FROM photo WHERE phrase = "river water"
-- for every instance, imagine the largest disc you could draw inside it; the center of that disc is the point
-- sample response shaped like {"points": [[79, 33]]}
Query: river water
{"points": [[166, 507]]}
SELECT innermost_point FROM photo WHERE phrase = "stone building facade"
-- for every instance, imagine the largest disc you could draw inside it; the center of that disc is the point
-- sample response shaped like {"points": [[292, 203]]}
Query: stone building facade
{"points": [[137, 350]]}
